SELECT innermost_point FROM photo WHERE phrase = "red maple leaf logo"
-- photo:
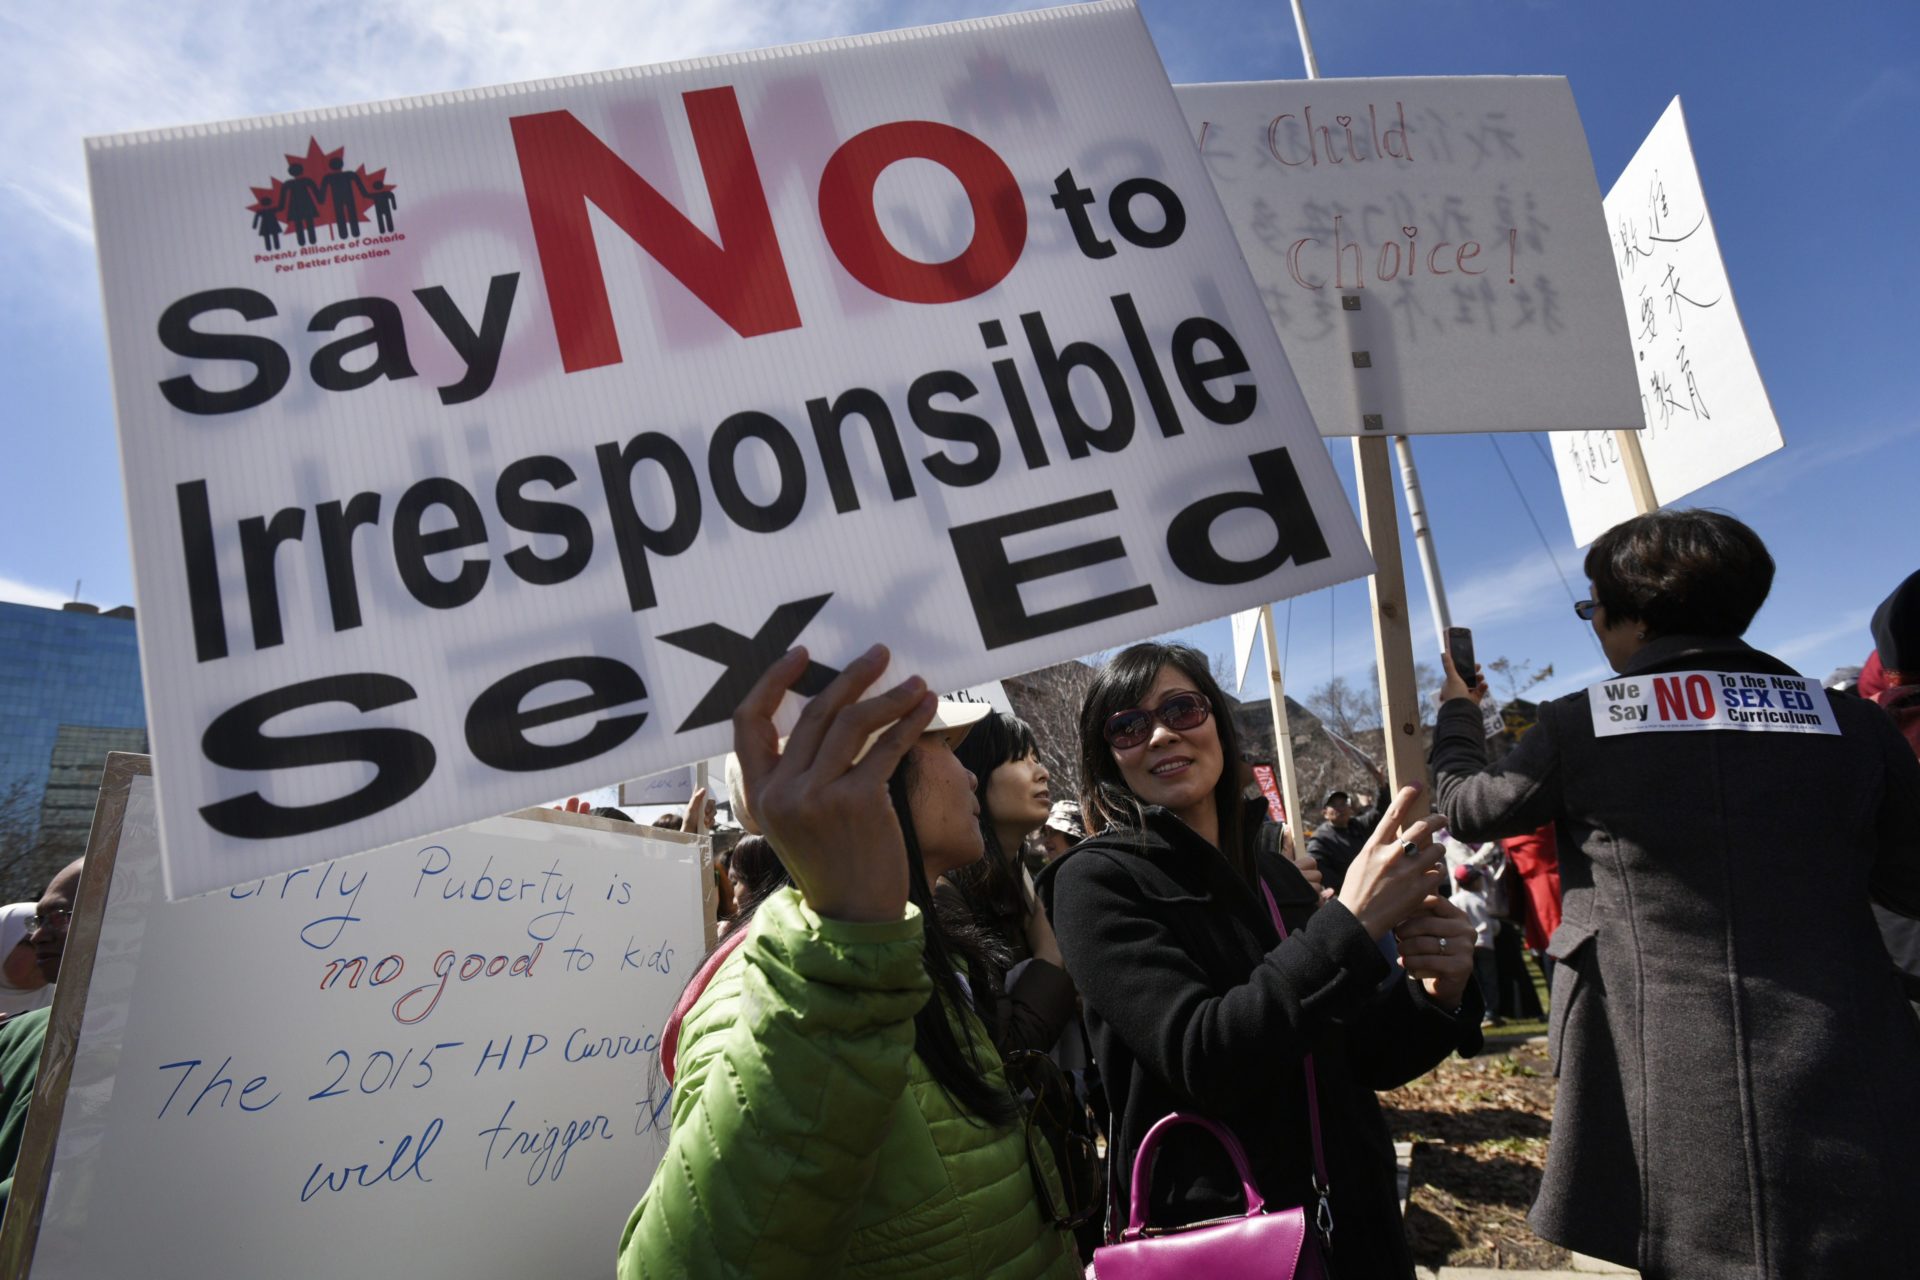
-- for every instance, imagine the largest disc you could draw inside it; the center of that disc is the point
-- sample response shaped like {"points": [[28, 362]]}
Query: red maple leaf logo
{"points": [[313, 191]]}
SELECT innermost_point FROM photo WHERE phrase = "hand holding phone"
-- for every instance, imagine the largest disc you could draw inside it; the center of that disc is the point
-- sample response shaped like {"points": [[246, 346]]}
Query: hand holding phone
{"points": [[1465, 682], [1460, 649]]}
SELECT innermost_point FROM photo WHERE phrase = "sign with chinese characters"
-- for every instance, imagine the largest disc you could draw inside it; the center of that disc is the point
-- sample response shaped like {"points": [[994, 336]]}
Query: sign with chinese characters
{"points": [[1706, 410], [513, 484], [1431, 251]]}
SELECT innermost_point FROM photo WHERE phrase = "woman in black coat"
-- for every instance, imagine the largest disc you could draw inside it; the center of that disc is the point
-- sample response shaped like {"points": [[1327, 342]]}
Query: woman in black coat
{"points": [[1739, 1092], [1195, 1004]]}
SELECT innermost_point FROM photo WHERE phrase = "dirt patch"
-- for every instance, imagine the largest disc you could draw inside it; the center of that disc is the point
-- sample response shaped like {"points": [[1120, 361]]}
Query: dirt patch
{"points": [[1479, 1130]]}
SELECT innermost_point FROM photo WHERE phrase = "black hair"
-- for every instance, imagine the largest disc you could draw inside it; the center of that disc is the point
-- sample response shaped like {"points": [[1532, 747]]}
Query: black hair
{"points": [[950, 941], [991, 888], [760, 872], [1119, 686], [1334, 797], [1688, 572]]}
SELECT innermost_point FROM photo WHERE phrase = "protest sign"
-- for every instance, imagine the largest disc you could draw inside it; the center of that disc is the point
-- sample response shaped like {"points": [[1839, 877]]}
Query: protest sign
{"points": [[992, 692], [1705, 409], [1683, 701], [936, 338], [674, 786], [437, 1059], [1431, 250], [1276, 808]]}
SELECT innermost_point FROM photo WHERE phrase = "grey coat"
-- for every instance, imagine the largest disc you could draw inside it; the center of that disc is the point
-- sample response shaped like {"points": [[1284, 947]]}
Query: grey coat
{"points": [[1739, 1074]]}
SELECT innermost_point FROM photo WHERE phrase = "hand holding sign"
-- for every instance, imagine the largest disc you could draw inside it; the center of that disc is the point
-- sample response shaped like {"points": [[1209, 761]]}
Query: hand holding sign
{"points": [[827, 812]]}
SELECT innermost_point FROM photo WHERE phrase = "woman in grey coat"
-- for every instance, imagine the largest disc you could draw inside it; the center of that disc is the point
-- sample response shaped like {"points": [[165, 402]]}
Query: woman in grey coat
{"points": [[1739, 1072]]}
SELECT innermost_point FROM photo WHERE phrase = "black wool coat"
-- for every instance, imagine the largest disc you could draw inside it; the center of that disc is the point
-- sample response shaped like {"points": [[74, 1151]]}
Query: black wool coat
{"points": [[1739, 1072], [1194, 1004]]}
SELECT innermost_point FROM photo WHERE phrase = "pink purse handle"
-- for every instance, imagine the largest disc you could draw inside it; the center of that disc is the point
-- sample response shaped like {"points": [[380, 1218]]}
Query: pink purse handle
{"points": [[1256, 1204], [1149, 1148], [1323, 1213]]}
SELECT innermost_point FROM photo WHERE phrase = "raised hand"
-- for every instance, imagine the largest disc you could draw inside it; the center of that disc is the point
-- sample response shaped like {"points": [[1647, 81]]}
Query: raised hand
{"points": [[1398, 870], [1456, 685], [1436, 946], [830, 817]]}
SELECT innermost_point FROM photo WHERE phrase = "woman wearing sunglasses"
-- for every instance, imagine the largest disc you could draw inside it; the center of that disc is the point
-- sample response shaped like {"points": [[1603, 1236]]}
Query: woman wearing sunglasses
{"points": [[837, 1107], [1737, 1064], [993, 899], [1196, 1004]]}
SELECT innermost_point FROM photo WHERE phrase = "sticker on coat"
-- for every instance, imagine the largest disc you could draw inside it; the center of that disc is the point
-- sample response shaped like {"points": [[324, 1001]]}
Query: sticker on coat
{"points": [[1680, 701]]}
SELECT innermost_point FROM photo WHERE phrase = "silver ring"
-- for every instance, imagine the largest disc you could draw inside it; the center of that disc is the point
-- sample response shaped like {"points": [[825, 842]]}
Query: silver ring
{"points": [[1409, 848], [1443, 946]]}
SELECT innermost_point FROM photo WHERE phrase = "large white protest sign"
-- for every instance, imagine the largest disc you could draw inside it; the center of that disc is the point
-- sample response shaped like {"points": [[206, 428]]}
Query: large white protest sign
{"points": [[1431, 250], [1706, 411], [438, 1059], [631, 381]]}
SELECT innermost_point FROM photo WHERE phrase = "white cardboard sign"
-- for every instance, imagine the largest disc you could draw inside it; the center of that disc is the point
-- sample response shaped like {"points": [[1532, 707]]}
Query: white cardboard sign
{"points": [[1689, 701], [1431, 250], [1706, 411], [938, 338], [309, 1076]]}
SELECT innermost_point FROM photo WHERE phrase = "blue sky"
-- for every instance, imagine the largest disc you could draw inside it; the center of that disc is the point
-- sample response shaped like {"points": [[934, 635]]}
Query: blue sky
{"points": [[1800, 120]]}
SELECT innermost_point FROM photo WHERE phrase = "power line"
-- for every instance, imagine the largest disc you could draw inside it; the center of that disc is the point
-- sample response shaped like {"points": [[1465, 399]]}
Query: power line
{"points": [[1540, 533]]}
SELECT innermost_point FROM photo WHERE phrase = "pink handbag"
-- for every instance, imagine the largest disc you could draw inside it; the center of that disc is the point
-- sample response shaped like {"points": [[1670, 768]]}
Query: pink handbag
{"points": [[1279, 1244]]}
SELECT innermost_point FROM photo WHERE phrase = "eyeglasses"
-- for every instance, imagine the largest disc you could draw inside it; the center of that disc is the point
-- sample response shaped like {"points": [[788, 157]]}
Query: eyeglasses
{"points": [[1128, 729], [1585, 609], [1059, 1134], [58, 916]]}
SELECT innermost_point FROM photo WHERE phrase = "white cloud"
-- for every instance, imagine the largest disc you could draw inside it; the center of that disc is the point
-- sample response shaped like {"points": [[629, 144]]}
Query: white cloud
{"points": [[26, 593], [1852, 625], [109, 66], [1529, 587]]}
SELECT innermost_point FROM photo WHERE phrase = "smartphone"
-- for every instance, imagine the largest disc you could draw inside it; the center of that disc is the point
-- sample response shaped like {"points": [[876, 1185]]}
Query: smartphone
{"points": [[1460, 649]]}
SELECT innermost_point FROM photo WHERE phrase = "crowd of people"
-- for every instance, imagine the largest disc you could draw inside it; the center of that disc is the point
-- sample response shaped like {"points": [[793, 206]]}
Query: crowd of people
{"points": [[958, 990], [958, 1025]]}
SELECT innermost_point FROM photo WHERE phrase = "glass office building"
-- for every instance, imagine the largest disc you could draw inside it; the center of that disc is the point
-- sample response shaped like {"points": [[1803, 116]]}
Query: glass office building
{"points": [[69, 693]]}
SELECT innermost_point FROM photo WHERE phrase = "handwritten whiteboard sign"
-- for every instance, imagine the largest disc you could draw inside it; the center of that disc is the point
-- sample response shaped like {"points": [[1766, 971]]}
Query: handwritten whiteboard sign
{"points": [[1431, 250], [436, 1059], [1706, 411], [444, 507]]}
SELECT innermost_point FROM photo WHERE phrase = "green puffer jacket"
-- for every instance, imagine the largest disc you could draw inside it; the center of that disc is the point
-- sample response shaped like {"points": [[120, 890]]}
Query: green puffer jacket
{"points": [[810, 1141]]}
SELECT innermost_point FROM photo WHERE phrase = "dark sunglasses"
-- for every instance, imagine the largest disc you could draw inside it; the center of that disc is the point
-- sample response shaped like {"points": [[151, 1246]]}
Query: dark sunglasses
{"points": [[1585, 609], [1130, 728], [1059, 1132]]}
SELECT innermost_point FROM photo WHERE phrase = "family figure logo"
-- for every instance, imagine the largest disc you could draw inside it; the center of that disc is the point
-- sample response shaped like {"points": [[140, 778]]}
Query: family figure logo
{"points": [[319, 190]]}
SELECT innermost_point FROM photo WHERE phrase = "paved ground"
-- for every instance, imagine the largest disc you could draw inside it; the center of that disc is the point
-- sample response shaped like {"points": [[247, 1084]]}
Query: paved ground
{"points": [[1583, 1268]]}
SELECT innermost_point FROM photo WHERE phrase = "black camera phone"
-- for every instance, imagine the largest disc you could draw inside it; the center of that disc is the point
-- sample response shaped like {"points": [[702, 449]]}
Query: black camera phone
{"points": [[1460, 649]]}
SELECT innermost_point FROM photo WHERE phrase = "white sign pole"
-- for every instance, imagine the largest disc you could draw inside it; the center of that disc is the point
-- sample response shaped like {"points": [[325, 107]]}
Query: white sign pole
{"points": [[1282, 735], [1387, 588], [1423, 540]]}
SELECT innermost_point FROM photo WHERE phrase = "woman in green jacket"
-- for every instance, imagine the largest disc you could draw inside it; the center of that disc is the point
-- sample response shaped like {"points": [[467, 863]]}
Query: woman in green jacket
{"points": [[838, 1108]]}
